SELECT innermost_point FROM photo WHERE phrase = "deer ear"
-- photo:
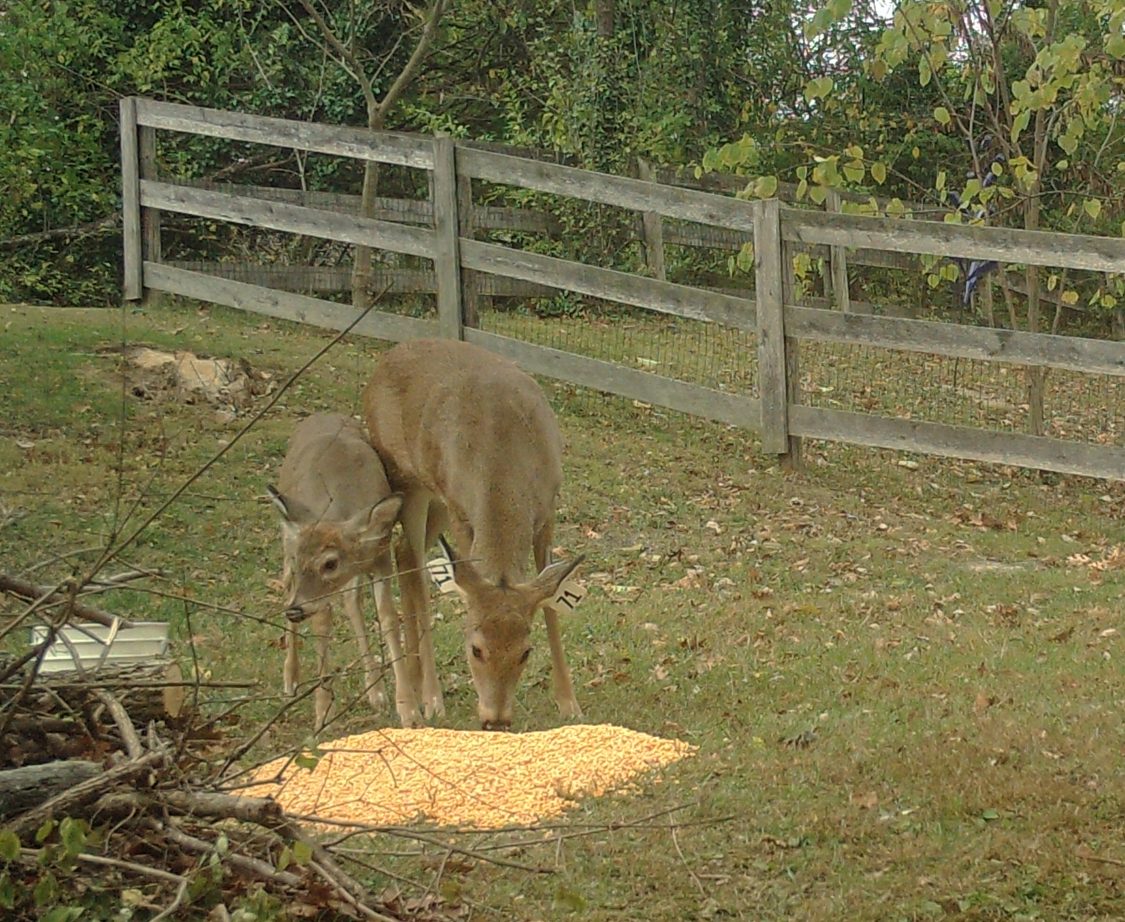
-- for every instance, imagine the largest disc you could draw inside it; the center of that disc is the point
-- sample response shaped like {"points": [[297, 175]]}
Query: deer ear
{"points": [[547, 583], [376, 523], [280, 501], [465, 575]]}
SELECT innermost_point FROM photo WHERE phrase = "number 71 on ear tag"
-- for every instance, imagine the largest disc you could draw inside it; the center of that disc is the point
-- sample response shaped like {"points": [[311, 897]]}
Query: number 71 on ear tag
{"points": [[441, 573], [570, 593]]}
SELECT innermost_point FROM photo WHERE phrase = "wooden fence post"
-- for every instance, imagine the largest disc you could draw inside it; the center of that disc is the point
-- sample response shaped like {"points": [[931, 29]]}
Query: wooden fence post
{"points": [[793, 459], [150, 217], [771, 327], [471, 297], [131, 202], [838, 261], [652, 227], [447, 259]]}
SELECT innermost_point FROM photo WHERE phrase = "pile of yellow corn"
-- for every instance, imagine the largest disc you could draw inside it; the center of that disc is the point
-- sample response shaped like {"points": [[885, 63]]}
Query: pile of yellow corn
{"points": [[465, 778]]}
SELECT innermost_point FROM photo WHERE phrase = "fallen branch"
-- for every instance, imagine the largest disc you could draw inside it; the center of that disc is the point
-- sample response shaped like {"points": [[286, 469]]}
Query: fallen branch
{"points": [[100, 226], [253, 866], [87, 791], [124, 723], [31, 593], [25, 787]]}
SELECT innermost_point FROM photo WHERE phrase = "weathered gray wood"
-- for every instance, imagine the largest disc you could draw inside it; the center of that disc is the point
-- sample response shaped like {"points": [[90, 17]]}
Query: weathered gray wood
{"points": [[646, 387], [285, 305], [633, 194], [403, 210], [358, 143], [771, 328], [652, 229], [339, 278], [665, 297], [1031, 451], [30, 785], [493, 217], [150, 217], [1039, 248], [792, 460], [838, 261], [131, 201], [471, 281], [704, 237], [296, 219], [1090, 356], [447, 253]]}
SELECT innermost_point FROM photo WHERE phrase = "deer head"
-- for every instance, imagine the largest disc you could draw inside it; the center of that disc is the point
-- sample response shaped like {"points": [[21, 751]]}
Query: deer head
{"points": [[498, 631], [322, 557]]}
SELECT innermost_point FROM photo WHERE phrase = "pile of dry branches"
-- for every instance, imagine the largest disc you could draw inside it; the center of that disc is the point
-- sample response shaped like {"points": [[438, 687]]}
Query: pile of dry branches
{"points": [[108, 790]]}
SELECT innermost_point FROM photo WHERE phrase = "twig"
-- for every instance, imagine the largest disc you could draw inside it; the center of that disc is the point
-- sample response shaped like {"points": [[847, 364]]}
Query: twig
{"points": [[177, 901], [253, 866], [1088, 855], [695, 879], [244, 747], [29, 591], [124, 723], [403, 833], [334, 875], [101, 225], [101, 860]]}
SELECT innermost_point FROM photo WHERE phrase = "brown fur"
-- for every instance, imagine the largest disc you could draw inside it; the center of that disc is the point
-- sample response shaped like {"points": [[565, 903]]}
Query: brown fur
{"points": [[471, 443], [337, 514]]}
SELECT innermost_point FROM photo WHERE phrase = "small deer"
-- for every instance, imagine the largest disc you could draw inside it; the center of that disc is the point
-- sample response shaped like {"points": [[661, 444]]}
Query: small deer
{"points": [[337, 513], [471, 443]]}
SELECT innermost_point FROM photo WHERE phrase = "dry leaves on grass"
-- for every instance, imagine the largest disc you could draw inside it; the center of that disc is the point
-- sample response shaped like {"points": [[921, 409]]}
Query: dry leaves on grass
{"points": [[1111, 559]]}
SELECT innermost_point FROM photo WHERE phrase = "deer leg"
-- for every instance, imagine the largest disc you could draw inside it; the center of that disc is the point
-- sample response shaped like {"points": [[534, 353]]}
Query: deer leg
{"points": [[406, 689], [412, 581], [373, 675], [291, 673], [320, 626], [561, 683]]}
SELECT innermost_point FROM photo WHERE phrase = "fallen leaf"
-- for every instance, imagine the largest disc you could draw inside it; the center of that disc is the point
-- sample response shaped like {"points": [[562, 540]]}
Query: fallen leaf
{"points": [[868, 801]]}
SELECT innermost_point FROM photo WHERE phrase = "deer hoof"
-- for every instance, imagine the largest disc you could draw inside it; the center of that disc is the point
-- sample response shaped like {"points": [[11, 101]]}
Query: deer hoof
{"points": [[410, 717], [433, 706], [570, 710]]}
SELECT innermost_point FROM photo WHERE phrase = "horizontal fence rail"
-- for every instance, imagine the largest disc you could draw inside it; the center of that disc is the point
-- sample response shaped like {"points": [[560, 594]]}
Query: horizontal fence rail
{"points": [[354, 143], [1005, 244], [606, 189], [440, 229], [1092, 356], [294, 219]]}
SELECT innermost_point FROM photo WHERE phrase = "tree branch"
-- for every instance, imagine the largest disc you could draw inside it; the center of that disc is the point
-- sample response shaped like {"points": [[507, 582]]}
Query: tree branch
{"points": [[406, 75]]}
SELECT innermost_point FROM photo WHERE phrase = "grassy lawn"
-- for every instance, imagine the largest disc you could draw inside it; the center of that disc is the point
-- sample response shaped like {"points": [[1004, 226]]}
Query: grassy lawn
{"points": [[905, 682]]}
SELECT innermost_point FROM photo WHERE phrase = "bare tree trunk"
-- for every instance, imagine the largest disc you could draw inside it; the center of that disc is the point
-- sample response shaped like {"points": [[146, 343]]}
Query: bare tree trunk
{"points": [[361, 268], [986, 302], [606, 18]]}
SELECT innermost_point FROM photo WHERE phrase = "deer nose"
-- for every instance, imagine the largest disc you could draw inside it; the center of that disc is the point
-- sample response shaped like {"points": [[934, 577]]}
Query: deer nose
{"points": [[498, 724], [296, 614]]}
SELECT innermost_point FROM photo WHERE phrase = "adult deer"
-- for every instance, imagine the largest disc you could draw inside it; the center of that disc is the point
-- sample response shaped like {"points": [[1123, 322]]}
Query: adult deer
{"points": [[471, 443], [337, 512]]}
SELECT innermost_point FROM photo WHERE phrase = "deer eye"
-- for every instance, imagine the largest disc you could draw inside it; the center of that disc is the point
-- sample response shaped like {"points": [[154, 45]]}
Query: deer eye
{"points": [[476, 653], [331, 565], [526, 654]]}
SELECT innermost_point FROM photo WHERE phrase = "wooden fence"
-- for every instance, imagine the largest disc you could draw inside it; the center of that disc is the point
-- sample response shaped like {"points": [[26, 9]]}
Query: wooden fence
{"points": [[776, 413]]}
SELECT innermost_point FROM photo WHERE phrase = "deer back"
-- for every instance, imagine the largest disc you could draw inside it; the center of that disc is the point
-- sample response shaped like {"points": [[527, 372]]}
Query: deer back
{"points": [[477, 432]]}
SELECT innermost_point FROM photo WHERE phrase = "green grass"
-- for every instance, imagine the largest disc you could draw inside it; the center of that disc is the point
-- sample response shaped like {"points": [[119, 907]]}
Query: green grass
{"points": [[937, 634]]}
